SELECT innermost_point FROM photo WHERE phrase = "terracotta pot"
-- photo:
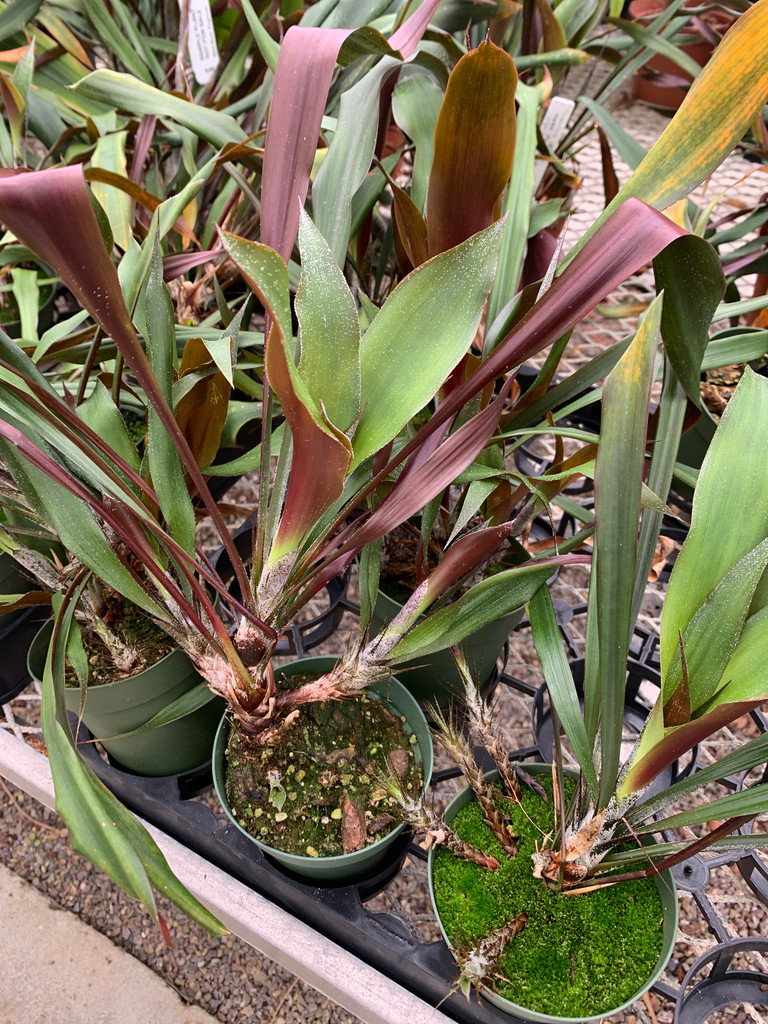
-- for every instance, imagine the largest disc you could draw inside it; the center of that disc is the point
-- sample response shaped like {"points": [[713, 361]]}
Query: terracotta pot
{"points": [[658, 82]]}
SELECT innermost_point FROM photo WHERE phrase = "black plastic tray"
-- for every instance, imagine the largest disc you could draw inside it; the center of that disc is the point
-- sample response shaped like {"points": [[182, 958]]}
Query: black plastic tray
{"points": [[383, 939]]}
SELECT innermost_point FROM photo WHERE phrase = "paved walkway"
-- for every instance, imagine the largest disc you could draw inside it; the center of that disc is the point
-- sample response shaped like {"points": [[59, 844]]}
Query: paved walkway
{"points": [[57, 970]]}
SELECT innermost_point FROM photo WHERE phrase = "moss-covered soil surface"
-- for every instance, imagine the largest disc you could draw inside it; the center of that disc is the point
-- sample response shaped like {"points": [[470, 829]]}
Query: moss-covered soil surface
{"points": [[577, 955], [320, 791]]}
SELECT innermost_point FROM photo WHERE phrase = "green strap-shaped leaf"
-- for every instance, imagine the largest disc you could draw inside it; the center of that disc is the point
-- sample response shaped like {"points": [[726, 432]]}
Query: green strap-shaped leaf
{"points": [[749, 802], [730, 510], [127, 93], [186, 704], [517, 204], [618, 476], [722, 103], [266, 273], [658, 44], [110, 155], [742, 759], [79, 532], [330, 330], [420, 334], [562, 691], [16, 15], [26, 292], [690, 274], [486, 602], [348, 158], [164, 463], [415, 106], [745, 670], [628, 148], [711, 636], [104, 418], [270, 49], [101, 828]]}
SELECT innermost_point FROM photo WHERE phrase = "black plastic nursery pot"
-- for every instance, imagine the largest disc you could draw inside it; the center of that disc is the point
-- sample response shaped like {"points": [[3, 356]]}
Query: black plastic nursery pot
{"points": [[16, 635], [363, 863], [12, 581], [112, 709], [667, 893]]}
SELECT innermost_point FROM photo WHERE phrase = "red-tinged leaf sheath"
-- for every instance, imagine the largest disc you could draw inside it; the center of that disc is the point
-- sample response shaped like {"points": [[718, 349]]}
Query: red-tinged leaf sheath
{"points": [[321, 454], [474, 147], [416, 488], [464, 556]]}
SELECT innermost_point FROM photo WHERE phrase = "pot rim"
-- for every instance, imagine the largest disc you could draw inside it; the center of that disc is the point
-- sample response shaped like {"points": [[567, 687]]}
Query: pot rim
{"points": [[342, 860]]}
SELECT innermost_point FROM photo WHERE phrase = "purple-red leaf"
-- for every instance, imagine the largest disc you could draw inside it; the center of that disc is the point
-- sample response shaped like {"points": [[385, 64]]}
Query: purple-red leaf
{"points": [[302, 80], [321, 453], [173, 266], [625, 243], [680, 739], [299, 92], [412, 492], [50, 212]]}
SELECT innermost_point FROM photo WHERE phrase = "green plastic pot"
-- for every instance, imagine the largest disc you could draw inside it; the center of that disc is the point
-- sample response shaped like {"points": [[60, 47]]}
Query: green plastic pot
{"points": [[346, 867], [116, 708], [665, 885], [434, 679]]}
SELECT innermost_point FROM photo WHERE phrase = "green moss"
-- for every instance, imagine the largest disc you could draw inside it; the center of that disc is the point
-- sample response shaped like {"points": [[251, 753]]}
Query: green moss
{"points": [[578, 955]]}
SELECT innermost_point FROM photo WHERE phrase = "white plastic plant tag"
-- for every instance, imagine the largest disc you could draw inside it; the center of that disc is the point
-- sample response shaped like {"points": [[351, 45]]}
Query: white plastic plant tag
{"points": [[201, 43], [553, 126]]}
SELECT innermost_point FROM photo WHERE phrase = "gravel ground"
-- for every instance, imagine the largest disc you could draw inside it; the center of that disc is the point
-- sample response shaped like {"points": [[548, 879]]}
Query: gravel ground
{"points": [[225, 976]]}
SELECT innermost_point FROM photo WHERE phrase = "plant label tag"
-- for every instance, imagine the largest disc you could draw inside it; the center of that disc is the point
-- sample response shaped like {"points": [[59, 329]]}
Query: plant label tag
{"points": [[553, 126], [201, 43]]}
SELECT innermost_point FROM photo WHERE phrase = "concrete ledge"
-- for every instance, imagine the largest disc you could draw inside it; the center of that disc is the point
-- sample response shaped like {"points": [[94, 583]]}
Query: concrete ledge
{"points": [[56, 968], [330, 969]]}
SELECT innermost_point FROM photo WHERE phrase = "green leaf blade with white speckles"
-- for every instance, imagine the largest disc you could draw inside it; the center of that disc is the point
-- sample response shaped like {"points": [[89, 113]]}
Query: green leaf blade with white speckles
{"points": [[423, 330]]}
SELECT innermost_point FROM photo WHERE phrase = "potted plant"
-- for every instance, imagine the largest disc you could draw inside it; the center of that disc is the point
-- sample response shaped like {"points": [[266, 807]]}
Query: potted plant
{"points": [[124, 669], [344, 418], [664, 79], [592, 878]]}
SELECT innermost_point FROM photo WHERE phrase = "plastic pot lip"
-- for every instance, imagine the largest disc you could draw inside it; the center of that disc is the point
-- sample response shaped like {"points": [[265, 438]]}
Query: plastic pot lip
{"points": [[129, 683], [344, 862], [665, 884]]}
